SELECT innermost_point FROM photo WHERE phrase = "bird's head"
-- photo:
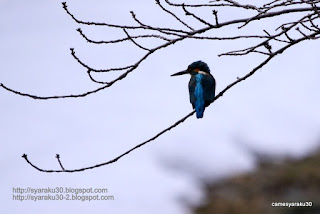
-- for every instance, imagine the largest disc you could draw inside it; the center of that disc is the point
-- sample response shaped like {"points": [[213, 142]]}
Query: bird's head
{"points": [[195, 68]]}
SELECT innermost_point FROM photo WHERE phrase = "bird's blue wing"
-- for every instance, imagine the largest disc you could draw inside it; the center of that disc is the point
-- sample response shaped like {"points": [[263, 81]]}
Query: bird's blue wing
{"points": [[209, 88]]}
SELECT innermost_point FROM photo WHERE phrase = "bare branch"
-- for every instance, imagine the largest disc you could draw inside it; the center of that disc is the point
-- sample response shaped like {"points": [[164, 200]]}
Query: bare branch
{"points": [[96, 81], [217, 3], [306, 27], [73, 53], [236, 4], [188, 13], [314, 25], [270, 44], [231, 37], [172, 14], [58, 158], [285, 3], [249, 20], [268, 47], [164, 31], [143, 48], [134, 16], [65, 7], [191, 5], [281, 50], [298, 29], [215, 13], [270, 3], [53, 97], [118, 157], [180, 36], [288, 37], [275, 37], [123, 39]]}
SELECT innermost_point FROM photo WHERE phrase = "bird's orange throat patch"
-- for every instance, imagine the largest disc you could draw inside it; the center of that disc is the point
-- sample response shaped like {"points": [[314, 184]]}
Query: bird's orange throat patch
{"points": [[200, 72]]}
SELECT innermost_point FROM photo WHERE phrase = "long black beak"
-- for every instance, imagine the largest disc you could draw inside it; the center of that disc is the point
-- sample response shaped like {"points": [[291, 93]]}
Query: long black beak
{"points": [[180, 73]]}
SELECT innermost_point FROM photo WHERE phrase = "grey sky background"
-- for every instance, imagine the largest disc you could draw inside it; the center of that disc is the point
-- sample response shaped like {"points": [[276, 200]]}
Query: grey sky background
{"points": [[275, 112]]}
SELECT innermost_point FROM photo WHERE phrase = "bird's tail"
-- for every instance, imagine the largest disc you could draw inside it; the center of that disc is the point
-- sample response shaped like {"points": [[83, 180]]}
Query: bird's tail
{"points": [[199, 110]]}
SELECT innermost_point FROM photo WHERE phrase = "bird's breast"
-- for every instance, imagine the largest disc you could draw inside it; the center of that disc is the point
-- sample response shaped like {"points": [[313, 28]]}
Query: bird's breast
{"points": [[198, 91]]}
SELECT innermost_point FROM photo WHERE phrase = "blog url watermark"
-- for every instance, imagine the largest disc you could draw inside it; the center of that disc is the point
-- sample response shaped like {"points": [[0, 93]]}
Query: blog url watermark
{"points": [[32, 190], [60, 194], [292, 204]]}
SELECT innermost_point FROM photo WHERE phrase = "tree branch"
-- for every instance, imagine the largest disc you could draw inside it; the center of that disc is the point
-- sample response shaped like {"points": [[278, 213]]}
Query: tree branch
{"points": [[172, 14], [280, 51], [122, 39], [58, 158], [132, 40], [65, 7], [283, 40], [180, 36], [188, 13]]}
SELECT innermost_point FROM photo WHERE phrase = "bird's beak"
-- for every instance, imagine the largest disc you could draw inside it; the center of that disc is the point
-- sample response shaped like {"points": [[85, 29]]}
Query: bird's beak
{"points": [[180, 73]]}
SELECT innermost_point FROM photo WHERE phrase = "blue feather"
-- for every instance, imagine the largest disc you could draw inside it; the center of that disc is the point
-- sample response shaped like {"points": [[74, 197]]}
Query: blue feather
{"points": [[199, 103]]}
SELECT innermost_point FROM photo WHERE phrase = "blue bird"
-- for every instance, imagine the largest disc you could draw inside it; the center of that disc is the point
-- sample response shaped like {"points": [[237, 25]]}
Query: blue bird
{"points": [[202, 86]]}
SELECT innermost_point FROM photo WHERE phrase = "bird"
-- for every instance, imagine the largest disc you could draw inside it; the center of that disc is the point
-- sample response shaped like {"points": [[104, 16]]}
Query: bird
{"points": [[202, 86]]}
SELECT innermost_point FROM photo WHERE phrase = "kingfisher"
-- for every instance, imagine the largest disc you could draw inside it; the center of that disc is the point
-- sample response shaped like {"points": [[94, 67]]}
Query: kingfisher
{"points": [[202, 86]]}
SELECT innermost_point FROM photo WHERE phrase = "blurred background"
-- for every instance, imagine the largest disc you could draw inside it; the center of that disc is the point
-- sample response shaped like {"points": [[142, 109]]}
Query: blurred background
{"points": [[256, 145]]}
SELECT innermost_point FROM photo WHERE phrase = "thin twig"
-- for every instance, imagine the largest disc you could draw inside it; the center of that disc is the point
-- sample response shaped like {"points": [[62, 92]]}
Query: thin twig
{"points": [[215, 13], [94, 80], [123, 39], [65, 7], [134, 16], [225, 3], [313, 24], [134, 42], [53, 97], [164, 31], [58, 158], [188, 13], [306, 27], [73, 53], [274, 37], [174, 15]]}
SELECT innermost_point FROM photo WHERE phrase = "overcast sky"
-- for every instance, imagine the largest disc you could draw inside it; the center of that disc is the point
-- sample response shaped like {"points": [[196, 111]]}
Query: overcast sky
{"points": [[275, 112]]}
